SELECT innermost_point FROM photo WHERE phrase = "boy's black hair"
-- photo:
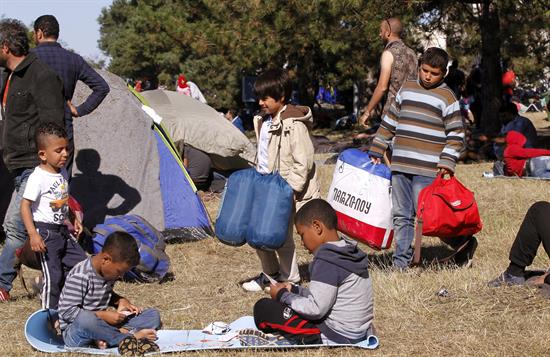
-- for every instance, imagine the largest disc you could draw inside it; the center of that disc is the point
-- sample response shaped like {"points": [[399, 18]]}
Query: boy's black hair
{"points": [[48, 25], [46, 129], [13, 34], [435, 57], [274, 83], [317, 209], [122, 247]]}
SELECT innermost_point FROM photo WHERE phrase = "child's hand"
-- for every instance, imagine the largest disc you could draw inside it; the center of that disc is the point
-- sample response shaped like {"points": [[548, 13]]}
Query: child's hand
{"points": [[113, 318], [125, 305], [78, 227], [37, 244], [274, 289]]}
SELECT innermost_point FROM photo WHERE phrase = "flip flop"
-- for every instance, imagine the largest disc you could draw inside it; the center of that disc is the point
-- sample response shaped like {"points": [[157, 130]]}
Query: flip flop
{"points": [[129, 346], [146, 346]]}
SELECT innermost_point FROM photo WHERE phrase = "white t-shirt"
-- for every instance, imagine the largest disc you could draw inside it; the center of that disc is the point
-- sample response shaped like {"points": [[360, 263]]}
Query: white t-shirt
{"points": [[263, 154], [50, 195]]}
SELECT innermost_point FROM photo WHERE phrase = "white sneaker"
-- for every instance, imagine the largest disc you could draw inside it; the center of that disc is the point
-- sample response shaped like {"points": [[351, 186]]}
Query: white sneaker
{"points": [[259, 283]]}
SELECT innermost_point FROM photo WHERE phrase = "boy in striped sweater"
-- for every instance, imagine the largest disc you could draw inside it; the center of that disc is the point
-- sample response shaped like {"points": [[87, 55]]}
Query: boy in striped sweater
{"points": [[427, 130], [90, 312]]}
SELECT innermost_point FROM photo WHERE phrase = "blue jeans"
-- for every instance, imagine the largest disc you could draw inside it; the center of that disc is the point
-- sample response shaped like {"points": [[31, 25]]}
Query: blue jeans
{"points": [[540, 167], [405, 191], [87, 328], [16, 234]]}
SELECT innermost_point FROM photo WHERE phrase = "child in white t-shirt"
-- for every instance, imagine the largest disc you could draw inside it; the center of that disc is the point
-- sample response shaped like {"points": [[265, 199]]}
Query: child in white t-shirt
{"points": [[44, 208]]}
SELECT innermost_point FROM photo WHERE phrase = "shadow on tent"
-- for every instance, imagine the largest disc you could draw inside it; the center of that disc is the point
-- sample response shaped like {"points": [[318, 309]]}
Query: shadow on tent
{"points": [[94, 190]]}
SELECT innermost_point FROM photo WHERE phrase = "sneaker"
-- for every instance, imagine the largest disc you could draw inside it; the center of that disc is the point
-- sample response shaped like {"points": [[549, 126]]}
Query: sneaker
{"points": [[4, 295], [253, 337], [506, 279], [465, 257], [259, 283]]}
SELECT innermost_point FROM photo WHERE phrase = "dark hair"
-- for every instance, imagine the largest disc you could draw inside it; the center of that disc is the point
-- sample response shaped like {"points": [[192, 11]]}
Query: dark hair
{"points": [[274, 83], [508, 107], [46, 129], [435, 57], [48, 25], [122, 247], [14, 35], [317, 209]]}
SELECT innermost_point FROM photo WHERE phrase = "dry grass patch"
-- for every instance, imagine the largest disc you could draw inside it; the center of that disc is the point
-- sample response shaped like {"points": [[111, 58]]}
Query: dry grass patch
{"points": [[410, 318]]}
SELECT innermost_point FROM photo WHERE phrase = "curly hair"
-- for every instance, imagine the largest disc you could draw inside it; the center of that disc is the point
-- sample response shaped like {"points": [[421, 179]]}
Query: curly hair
{"points": [[13, 34], [46, 129]]}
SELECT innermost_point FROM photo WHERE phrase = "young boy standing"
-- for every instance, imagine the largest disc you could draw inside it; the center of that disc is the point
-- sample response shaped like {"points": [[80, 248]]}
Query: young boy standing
{"points": [[338, 306], [426, 127], [44, 208], [284, 146], [84, 313]]}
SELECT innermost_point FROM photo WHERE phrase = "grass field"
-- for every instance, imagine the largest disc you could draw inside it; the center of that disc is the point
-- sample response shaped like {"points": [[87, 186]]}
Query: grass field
{"points": [[410, 318]]}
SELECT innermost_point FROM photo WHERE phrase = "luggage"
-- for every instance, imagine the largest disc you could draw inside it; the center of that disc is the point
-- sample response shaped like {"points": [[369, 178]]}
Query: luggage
{"points": [[272, 208], [236, 205], [255, 209], [361, 195], [154, 263], [446, 209]]}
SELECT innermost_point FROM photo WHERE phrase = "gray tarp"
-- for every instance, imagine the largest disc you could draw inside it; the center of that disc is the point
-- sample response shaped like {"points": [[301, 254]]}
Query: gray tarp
{"points": [[116, 160], [200, 126]]}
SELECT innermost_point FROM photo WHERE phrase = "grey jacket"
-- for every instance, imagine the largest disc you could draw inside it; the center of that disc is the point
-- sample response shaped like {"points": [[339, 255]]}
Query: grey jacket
{"points": [[340, 295]]}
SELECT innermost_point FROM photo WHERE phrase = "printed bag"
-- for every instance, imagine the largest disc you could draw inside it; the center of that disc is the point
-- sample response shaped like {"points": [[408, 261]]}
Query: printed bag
{"points": [[361, 195]]}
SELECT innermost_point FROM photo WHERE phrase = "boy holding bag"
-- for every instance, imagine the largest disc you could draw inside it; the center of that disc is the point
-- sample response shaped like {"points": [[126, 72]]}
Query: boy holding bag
{"points": [[284, 145]]}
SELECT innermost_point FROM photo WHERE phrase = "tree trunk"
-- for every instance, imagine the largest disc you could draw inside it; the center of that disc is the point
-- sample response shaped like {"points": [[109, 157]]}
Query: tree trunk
{"points": [[491, 91]]}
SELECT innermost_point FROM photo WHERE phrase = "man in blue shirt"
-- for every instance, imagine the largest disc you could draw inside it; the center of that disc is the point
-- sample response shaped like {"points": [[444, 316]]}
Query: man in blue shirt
{"points": [[71, 68], [511, 120]]}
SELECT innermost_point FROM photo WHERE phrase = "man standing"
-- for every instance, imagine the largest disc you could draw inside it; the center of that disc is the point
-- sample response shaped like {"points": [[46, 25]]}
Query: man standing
{"points": [[32, 94], [398, 63], [71, 68]]}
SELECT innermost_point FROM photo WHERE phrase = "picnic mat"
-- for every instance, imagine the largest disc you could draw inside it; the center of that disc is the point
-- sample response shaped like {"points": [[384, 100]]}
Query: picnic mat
{"points": [[490, 175], [42, 337]]}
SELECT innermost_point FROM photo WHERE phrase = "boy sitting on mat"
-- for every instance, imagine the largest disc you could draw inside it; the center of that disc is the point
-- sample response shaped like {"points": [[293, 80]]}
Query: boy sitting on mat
{"points": [[88, 294], [338, 306]]}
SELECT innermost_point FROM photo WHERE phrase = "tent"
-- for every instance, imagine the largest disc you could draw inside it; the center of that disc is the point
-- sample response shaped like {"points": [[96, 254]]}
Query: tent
{"points": [[196, 124], [125, 163]]}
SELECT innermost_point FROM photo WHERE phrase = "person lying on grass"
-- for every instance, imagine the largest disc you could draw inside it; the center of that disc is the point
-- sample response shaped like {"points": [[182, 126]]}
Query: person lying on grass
{"points": [[84, 306], [338, 306]]}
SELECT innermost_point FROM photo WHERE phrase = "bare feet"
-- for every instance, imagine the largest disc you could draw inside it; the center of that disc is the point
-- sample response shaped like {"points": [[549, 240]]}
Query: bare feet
{"points": [[101, 344], [148, 334]]}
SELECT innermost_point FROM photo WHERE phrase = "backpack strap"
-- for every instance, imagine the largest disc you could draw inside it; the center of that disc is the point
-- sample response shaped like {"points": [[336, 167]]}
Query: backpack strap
{"points": [[417, 242]]}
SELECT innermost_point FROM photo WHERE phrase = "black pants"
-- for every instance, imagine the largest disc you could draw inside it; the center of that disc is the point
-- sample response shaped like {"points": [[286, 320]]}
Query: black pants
{"points": [[534, 230], [62, 254], [273, 316]]}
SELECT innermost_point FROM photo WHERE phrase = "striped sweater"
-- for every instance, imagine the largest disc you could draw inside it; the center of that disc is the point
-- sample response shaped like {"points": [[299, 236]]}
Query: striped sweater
{"points": [[84, 289], [426, 127]]}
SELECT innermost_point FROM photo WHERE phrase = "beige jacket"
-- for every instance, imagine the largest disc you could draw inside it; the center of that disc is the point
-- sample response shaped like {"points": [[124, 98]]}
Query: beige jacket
{"points": [[290, 131]]}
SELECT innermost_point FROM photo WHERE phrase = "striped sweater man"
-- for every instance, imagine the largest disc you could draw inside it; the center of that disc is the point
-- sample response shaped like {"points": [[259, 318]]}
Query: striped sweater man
{"points": [[426, 127]]}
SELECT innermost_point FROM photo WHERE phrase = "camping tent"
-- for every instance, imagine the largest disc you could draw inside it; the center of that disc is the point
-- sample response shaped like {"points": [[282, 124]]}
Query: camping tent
{"points": [[196, 124], [126, 164]]}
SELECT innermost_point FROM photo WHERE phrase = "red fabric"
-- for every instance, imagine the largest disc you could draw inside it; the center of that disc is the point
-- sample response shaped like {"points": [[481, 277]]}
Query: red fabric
{"points": [[448, 209], [182, 81], [371, 235], [291, 330], [515, 155]]}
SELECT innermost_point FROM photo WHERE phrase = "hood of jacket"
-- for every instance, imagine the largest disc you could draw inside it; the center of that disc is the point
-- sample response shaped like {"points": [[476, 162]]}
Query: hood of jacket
{"points": [[515, 138], [345, 254]]}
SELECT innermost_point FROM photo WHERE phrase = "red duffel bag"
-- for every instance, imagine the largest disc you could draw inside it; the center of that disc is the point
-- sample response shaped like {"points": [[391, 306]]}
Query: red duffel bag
{"points": [[446, 209]]}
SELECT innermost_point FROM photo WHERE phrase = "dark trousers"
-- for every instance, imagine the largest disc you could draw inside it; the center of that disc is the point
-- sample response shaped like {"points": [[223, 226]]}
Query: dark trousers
{"points": [[273, 316], [62, 254], [534, 230]]}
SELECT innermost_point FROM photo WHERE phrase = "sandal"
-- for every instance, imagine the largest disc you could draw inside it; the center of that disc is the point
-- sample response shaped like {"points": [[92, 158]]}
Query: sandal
{"points": [[146, 346], [129, 346]]}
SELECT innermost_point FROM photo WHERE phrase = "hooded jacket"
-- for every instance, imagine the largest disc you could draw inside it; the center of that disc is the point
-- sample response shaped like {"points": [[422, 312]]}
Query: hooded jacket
{"points": [[340, 294], [516, 155], [290, 150], [35, 96]]}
